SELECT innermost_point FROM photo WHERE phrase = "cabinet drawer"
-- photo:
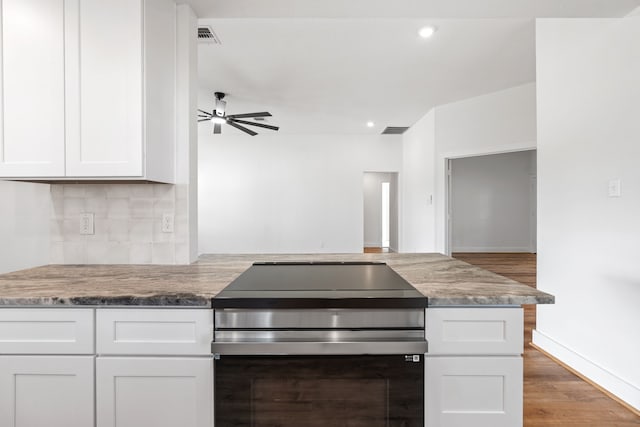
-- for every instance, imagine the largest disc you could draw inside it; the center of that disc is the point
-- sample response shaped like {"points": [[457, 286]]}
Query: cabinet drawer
{"points": [[477, 331], [154, 331], [473, 391], [46, 331]]}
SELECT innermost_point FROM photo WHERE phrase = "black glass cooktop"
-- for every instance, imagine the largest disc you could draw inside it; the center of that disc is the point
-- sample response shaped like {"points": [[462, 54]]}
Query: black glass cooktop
{"points": [[319, 285]]}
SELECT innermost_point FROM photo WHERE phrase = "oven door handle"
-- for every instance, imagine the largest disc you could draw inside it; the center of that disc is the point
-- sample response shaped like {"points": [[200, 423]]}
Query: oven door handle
{"points": [[317, 348]]}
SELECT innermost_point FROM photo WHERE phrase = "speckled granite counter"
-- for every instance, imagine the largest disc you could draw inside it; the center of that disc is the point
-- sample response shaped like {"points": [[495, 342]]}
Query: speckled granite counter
{"points": [[445, 281]]}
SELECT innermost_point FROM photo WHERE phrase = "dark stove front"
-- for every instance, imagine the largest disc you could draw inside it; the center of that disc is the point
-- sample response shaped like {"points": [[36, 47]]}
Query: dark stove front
{"points": [[324, 368], [319, 391]]}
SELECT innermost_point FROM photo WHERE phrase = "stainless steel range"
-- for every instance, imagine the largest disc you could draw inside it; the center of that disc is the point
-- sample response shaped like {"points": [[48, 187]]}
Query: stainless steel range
{"points": [[326, 344]]}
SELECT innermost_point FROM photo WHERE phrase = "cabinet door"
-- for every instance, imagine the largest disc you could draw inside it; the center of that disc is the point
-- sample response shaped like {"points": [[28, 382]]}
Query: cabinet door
{"points": [[46, 391], [105, 88], [473, 391], [154, 391], [32, 82]]}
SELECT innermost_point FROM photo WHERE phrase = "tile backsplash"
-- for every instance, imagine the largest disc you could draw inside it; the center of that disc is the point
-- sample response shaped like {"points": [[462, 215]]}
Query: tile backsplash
{"points": [[127, 223]]}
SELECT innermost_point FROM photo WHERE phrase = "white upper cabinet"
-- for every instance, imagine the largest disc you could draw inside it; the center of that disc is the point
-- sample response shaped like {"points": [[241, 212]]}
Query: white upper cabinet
{"points": [[109, 112], [32, 133]]}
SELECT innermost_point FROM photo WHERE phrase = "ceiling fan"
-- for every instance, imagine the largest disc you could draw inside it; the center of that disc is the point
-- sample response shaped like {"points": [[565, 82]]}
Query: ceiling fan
{"points": [[219, 117]]}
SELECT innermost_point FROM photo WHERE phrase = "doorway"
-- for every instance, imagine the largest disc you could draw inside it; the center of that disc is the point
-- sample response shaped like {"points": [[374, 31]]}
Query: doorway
{"points": [[380, 210], [491, 204]]}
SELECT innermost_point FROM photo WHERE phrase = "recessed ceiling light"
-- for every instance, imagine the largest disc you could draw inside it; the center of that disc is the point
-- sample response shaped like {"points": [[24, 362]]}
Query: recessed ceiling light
{"points": [[426, 32], [370, 124]]}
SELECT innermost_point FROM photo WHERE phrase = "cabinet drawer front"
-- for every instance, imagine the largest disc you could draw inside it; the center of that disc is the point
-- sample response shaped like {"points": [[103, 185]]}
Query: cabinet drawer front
{"points": [[46, 331], [479, 331], [473, 391], [154, 331]]}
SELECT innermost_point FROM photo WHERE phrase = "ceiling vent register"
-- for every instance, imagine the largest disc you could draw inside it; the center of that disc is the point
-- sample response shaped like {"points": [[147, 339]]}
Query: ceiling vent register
{"points": [[206, 35], [394, 130]]}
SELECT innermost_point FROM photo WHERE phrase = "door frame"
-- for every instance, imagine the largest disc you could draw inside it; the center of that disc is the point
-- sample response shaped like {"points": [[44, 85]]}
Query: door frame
{"points": [[446, 186]]}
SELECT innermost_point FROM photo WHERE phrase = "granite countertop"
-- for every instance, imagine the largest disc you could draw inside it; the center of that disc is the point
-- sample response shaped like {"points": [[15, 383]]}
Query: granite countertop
{"points": [[444, 280]]}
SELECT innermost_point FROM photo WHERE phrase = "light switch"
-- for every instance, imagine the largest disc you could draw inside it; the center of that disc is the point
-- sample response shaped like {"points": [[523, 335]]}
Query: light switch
{"points": [[614, 188]]}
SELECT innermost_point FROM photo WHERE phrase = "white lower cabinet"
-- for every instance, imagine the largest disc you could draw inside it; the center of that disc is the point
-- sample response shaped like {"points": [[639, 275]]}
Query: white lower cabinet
{"points": [[46, 391], [154, 391], [473, 371], [473, 391]]}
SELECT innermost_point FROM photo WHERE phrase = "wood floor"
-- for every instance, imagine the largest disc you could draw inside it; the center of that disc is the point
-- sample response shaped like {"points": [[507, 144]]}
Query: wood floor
{"points": [[553, 396], [372, 250]]}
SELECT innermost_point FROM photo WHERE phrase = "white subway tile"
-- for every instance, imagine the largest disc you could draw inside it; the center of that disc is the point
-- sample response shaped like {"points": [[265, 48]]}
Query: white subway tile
{"points": [[163, 253], [164, 191], [56, 230], [56, 253], [117, 208], [96, 191], [182, 253], [75, 253], [73, 206], [117, 191], [141, 190], [163, 206], [57, 207], [140, 253], [141, 208], [118, 230], [57, 190], [97, 206], [74, 190], [140, 230], [107, 253]]}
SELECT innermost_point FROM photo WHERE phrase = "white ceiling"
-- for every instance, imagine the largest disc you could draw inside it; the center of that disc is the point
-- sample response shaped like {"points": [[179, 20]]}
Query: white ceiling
{"points": [[332, 75]]}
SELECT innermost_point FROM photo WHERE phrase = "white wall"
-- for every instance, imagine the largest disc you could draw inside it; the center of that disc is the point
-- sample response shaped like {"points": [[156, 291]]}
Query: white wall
{"points": [[498, 122], [24, 225], [589, 243], [279, 193], [417, 181], [491, 202]]}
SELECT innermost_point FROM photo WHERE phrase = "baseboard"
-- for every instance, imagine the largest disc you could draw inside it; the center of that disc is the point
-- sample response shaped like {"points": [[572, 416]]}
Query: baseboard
{"points": [[492, 249], [617, 388], [372, 245]]}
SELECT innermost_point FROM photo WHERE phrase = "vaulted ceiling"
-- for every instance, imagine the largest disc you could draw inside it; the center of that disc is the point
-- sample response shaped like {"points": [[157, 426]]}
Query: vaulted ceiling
{"points": [[330, 66]]}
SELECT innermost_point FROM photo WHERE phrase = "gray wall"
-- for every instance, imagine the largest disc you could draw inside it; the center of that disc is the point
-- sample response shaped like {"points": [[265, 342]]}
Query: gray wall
{"points": [[491, 203]]}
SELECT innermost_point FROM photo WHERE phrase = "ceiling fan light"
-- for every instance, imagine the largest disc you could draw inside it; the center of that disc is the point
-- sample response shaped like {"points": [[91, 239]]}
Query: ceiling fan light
{"points": [[218, 120]]}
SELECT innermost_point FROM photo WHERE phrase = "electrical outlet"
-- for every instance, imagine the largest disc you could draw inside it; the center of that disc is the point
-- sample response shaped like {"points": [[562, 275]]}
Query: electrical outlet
{"points": [[86, 224], [167, 223], [614, 188]]}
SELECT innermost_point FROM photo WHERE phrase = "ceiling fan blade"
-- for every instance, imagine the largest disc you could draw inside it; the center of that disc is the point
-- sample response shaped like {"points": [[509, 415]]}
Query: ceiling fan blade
{"points": [[217, 128], [242, 128], [244, 122], [205, 112], [204, 115], [238, 116], [204, 120]]}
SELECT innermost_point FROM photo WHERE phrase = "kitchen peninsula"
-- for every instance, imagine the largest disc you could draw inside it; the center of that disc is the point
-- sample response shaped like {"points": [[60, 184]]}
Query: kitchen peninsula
{"points": [[443, 280], [131, 344]]}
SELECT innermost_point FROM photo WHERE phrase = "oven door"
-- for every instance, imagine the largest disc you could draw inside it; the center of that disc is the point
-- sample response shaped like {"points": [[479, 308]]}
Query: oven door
{"points": [[319, 391]]}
